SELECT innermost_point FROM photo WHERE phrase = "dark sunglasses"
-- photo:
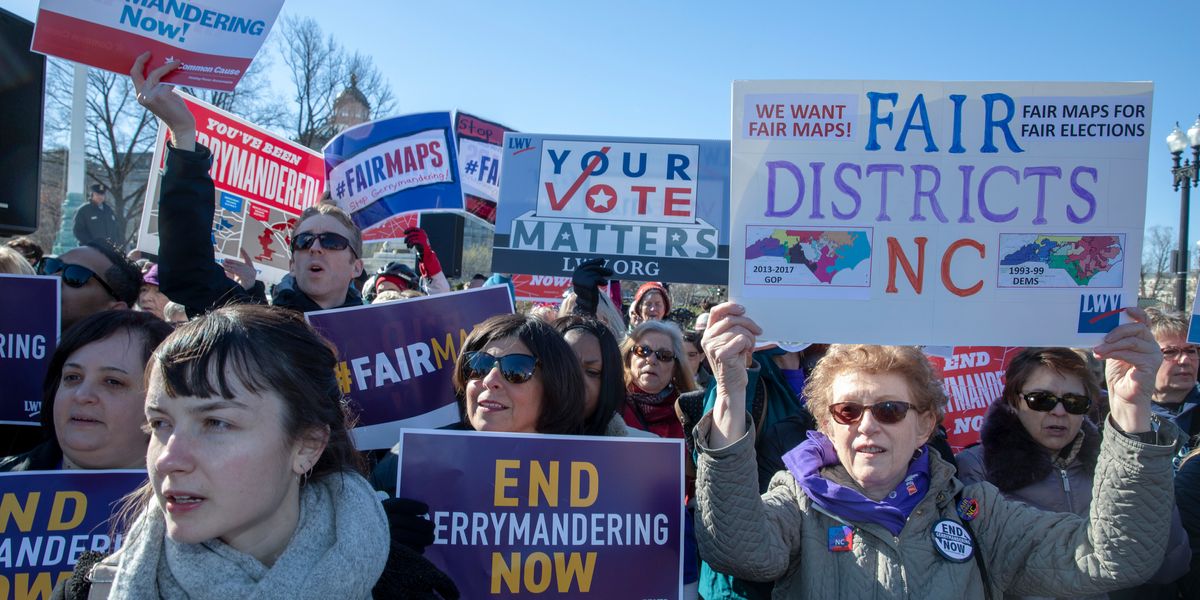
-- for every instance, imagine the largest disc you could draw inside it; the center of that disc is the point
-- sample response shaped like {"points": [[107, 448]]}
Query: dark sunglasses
{"points": [[887, 412], [1045, 402], [645, 351], [516, 368], [75, 276], [328, 241]]}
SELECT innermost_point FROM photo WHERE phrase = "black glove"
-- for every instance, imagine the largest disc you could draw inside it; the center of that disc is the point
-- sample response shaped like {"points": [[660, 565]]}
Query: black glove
{"points": [[406, 523], [587, 279]]}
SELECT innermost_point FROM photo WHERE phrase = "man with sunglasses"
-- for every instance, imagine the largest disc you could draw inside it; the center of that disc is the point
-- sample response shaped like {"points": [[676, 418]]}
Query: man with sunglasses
{"points": [[96, 277], [1176, 395]]}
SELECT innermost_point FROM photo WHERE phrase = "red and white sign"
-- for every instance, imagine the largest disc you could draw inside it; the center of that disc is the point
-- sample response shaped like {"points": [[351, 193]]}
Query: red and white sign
{"points": [[540, 288], [263, 182], [214, 39], [973, 377]]}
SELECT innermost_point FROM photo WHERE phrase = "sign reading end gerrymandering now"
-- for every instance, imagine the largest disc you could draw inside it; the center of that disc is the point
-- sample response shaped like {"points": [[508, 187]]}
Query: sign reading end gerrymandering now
{"points": [[941, 213], [655, 209]]}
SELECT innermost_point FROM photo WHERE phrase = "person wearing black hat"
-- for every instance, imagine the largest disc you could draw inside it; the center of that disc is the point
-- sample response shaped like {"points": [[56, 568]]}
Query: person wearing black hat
{"points": [[96, 220]]}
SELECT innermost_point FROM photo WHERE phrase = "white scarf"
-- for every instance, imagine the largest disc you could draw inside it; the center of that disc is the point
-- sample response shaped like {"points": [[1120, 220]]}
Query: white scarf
{"points": [[339, 550]]}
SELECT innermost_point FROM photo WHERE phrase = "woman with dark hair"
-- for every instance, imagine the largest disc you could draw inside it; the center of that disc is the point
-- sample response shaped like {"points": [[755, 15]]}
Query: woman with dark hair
{"points": [[1039, 446], [255, 488], [603, 377], [656, 373], [93, 393]]}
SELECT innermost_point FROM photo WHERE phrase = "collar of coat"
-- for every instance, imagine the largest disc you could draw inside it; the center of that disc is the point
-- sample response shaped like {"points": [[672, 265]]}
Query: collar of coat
{"points": [[1013, 459]]}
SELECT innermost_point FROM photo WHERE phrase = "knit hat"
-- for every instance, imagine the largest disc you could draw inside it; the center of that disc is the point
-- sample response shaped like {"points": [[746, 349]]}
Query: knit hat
{"points": [[650, 286], [396, 280], [151, 275]]}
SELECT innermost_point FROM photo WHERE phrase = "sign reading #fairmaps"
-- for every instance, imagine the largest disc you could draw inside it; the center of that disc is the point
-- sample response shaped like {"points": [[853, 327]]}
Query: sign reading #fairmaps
{"points": [[552, 515], [396, 360], [214, 39], [655, 209], [263, 182], [941, 213], [29, 325], [49, 518], [480, 146]]}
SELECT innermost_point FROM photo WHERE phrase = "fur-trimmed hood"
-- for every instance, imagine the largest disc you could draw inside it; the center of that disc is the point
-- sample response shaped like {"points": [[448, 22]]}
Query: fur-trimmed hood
{"points": [[1013, 459]]}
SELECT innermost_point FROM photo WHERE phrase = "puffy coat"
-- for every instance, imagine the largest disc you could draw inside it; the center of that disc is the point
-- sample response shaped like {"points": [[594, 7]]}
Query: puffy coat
{"points": [[783, 536]]}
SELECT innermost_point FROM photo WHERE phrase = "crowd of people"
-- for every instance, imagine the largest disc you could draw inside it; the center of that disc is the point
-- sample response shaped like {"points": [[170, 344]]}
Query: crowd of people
{"points": [[812, 471]]}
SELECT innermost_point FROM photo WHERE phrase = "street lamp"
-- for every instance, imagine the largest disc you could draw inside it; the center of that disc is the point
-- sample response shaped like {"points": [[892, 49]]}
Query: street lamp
{"points": [[1186, 177]]}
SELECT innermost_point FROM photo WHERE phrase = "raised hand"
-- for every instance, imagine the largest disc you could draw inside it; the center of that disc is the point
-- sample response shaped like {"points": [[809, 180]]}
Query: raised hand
{"points": [[241, 271], [1133, 359], [729, 344], [161, 100], [586, 280]]}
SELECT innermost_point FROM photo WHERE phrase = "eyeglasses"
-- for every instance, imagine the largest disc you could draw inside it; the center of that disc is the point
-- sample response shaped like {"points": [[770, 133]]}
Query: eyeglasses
{"points": [[1173, 353], [1041, 401], [887, 412], [327, 239], [645, 351], [516, 368], [75, 276]]}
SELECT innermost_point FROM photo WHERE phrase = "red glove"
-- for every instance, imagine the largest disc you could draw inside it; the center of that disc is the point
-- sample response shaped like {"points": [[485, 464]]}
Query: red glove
{"points": [[427, 260]]}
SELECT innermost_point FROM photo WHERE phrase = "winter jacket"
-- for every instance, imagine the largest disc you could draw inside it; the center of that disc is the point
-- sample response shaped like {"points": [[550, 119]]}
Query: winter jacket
{"points": [[1186, 415], [1010, 459], [187, 269], [1187, 497], [46, 456], [783, 536], [95, 223]]}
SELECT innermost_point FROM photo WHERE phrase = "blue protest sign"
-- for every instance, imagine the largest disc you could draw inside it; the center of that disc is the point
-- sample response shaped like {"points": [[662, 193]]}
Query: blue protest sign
{"points": [[656, 209], [396, 360], [29, 322], [49, 518], [382, 169], [554, 515]]}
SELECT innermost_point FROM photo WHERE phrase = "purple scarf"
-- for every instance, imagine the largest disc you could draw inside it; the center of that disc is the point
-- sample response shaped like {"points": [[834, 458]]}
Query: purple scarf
{"points": [[805, 462]]}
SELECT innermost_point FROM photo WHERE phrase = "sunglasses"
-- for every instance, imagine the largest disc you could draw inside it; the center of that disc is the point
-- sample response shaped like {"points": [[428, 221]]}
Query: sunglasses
{"points": [[75, 276], [1045, 402], [516, 368], [328, 241], [645, 351], [887, 412]]}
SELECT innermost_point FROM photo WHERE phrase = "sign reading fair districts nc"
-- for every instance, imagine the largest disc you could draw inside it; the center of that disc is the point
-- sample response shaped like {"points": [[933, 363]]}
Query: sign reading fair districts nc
{"points": [[656, 209], [948, 214]]}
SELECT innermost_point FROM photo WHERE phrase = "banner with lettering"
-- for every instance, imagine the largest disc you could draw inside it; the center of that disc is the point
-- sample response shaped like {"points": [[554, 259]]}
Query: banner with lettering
{"points": [[214, 39], [30, 313], [379, 171], [396, 360], [480, 146], [947, 213], [49, 518], [656, 209], [553, 515], [973, 378], [263, 182]]}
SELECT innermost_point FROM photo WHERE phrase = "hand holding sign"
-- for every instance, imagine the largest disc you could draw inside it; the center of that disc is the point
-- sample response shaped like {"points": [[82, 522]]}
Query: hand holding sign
{"points": [[729, 344], [1133, 360], [162, 100]]}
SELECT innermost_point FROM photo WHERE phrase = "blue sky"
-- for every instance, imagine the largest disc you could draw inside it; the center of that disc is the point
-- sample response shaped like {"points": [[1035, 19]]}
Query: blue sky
{"points": [[663, 68]]}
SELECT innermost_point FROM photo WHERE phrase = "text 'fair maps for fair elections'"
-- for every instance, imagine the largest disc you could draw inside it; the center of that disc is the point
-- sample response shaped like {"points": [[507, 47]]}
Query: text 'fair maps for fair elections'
{"points": [[968, 213], [263, 182], [215, 40], [656, 209], [381, 170]]}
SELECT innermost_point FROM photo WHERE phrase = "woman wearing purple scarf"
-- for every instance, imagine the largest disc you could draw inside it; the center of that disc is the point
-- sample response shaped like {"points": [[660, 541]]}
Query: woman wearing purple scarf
{"points": [[866, 510]]}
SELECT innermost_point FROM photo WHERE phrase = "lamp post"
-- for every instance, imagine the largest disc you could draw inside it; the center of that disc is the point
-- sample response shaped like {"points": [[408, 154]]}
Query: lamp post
{"points": [[1186, 177]]}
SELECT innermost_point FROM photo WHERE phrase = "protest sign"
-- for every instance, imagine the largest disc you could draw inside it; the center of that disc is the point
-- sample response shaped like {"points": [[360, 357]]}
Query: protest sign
{"points": [[480, 145], [1193, 335], [379, 171], [215, 40], [396, 360], [900, 212], [29, 327], [656, 209], [263, 182], [554, 515], [49, 518], [973, 378], [543, 288]]}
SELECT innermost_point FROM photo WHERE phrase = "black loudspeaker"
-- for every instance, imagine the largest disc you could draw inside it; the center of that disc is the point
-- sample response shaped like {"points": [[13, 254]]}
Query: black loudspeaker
{"points": [[22, 85], [445, 231]]}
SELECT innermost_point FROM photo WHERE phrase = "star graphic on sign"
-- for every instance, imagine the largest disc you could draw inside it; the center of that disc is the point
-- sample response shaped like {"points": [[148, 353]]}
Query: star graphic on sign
{"points": [[601, 201], [674, 237], [170, 59], [566, 236]]}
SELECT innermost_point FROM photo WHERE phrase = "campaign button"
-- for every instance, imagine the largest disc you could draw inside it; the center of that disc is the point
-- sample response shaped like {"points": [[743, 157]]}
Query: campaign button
{"points": [[952, 541]]}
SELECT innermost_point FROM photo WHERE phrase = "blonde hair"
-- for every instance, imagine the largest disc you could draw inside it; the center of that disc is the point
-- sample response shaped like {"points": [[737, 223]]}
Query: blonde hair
{"points": [[330, 209], [12, 263], [1167, 322]]}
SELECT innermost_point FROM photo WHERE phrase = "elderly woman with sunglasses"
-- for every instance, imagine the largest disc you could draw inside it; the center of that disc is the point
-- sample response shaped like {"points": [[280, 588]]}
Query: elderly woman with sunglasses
{"points": [[1039, 446], [865, 510], [656, 373]]}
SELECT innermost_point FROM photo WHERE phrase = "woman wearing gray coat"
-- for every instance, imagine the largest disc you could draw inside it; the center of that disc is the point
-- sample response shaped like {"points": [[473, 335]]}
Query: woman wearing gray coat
{"points": [[865, 510]]}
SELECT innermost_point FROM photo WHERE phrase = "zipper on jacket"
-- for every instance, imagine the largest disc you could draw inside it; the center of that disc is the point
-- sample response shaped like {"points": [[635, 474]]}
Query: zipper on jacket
{"points": [[1066, 482]]}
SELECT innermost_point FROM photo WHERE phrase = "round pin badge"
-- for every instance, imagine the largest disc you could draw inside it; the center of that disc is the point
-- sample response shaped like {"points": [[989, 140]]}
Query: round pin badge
{"points": [[952, 541], [968, 509]]}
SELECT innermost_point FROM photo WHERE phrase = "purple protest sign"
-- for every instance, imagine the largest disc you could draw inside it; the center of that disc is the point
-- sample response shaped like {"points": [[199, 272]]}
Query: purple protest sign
{"points": [[554, 515], [49, 518], [396, 360], [29, 318]]}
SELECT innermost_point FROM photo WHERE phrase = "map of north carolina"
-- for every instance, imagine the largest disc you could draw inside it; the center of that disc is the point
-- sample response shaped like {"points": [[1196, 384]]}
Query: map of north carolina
{"points": [[1081, 257], [824, 253]]}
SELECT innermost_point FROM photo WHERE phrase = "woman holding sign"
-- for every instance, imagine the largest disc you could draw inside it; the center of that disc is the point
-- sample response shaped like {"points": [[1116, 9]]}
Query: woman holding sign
{"points": [[865, 510]]}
